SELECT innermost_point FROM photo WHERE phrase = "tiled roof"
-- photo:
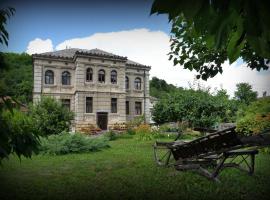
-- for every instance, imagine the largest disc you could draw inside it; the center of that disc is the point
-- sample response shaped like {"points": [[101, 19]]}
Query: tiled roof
{"points": [[70, 54]]}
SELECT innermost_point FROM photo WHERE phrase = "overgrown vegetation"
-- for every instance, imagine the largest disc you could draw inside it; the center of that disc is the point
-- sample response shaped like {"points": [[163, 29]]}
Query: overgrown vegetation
{"points": [[66, 143], [16, 76], [198, 108], [255, 118], [18, 134]]}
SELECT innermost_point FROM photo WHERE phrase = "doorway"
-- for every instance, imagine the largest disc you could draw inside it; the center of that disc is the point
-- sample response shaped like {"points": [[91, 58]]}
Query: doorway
{"points": [[102, 120]]}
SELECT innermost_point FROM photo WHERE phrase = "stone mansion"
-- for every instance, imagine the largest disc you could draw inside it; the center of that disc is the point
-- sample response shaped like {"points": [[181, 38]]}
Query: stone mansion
{"points": [[101, 88]]}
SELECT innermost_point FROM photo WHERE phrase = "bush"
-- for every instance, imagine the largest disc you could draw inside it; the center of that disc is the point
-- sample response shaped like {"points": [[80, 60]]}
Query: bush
{"points": [[144, 132], [198, 108], [131, 131], [255, 118], [50, 116], [111, 135], [17, 134], [65, 143], [137, 121]]}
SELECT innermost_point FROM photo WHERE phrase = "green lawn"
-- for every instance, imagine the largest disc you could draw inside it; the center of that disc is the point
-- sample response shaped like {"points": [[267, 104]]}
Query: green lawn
{"points": [[124, 171]]}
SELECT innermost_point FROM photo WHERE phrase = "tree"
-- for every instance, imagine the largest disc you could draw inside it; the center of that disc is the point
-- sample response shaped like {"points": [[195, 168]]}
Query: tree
{"points": [[16, 79], [159, 87], [17, 132], [244, 93], [199, 108], [5, 14], [50, 116], [255, 118], [207, 33]]}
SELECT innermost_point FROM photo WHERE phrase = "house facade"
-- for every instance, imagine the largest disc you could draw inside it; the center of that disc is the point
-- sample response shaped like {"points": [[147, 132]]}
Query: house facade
{"points": [[101, 88]]}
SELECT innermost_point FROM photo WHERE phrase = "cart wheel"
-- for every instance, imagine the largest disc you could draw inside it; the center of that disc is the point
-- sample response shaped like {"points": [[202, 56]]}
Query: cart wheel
{"points": [[162, 155]]}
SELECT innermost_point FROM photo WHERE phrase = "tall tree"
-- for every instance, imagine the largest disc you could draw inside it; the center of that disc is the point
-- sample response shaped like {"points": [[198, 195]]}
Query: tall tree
{"points": [[206, 33], [245, 94], [17, 132]]}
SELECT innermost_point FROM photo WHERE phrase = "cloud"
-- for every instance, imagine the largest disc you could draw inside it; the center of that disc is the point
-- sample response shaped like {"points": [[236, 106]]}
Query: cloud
{"points": [[140, 45], [39, 46], [151, 48]]}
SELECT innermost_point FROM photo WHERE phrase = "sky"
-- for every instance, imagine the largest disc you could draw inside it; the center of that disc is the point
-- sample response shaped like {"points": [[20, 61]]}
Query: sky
{"points": [[121, 27]]}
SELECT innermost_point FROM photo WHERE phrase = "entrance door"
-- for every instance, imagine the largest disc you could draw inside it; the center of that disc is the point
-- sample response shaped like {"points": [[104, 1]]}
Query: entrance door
{"points": [[102, 120]]}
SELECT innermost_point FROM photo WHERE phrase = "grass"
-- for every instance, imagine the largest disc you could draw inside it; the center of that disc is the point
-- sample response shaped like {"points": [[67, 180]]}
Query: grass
{"points": [[124, 171]]}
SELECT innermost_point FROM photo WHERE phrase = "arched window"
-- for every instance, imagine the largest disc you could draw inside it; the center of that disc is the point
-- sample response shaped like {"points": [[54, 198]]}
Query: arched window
{"points": [[113, 77], [101, 76], [138, 83], [66, 78], [89, 74], [49, 77], [127, 82]]}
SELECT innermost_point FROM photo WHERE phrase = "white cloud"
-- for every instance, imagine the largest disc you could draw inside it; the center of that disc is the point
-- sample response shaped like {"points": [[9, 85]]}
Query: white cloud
{"points": [[151, 48], [39, 46], [140, 45]]}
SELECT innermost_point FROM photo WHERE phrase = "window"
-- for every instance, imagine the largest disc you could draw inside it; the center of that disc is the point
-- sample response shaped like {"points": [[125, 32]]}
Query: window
{"points": [[127, 107], [114, 105], [127, 82], [89, 104], [137, 83], [89, 74], [66, 103], [66, 78], [113, 77], [138, 108], [49, 77], [101, 76]]}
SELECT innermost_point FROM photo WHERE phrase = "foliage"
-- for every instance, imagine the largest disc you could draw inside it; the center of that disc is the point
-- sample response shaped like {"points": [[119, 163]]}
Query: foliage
{"points": [[255, 118], [130, 131], [5, 14], [144, 132], [160, 88], [207, 33], [135, 122], [66, 143], [16, 77], [50, 116], [244, 93], [111, 135], [198, 108], [18, 134]]}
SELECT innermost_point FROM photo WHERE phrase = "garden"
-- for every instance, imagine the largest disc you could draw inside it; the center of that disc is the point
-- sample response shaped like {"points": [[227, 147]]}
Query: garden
{"points": [[124, 169]]}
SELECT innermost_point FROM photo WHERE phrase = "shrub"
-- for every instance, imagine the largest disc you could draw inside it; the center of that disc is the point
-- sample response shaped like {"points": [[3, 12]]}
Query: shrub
{"points": [[130, 131], [255, 118], [65, 143], [111, 135], [18, 134], [50, 117], [137, 121], [144, 132]]}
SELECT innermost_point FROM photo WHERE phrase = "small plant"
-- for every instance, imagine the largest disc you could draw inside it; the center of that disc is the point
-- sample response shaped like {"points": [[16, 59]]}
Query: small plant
{"points": [[131, 131], [111, 135], [66, 143], [144, 132]]}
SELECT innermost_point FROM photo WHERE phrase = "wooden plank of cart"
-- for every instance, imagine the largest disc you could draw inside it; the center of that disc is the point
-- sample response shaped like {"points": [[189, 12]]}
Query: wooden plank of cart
{"points": [[209, 155]]}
